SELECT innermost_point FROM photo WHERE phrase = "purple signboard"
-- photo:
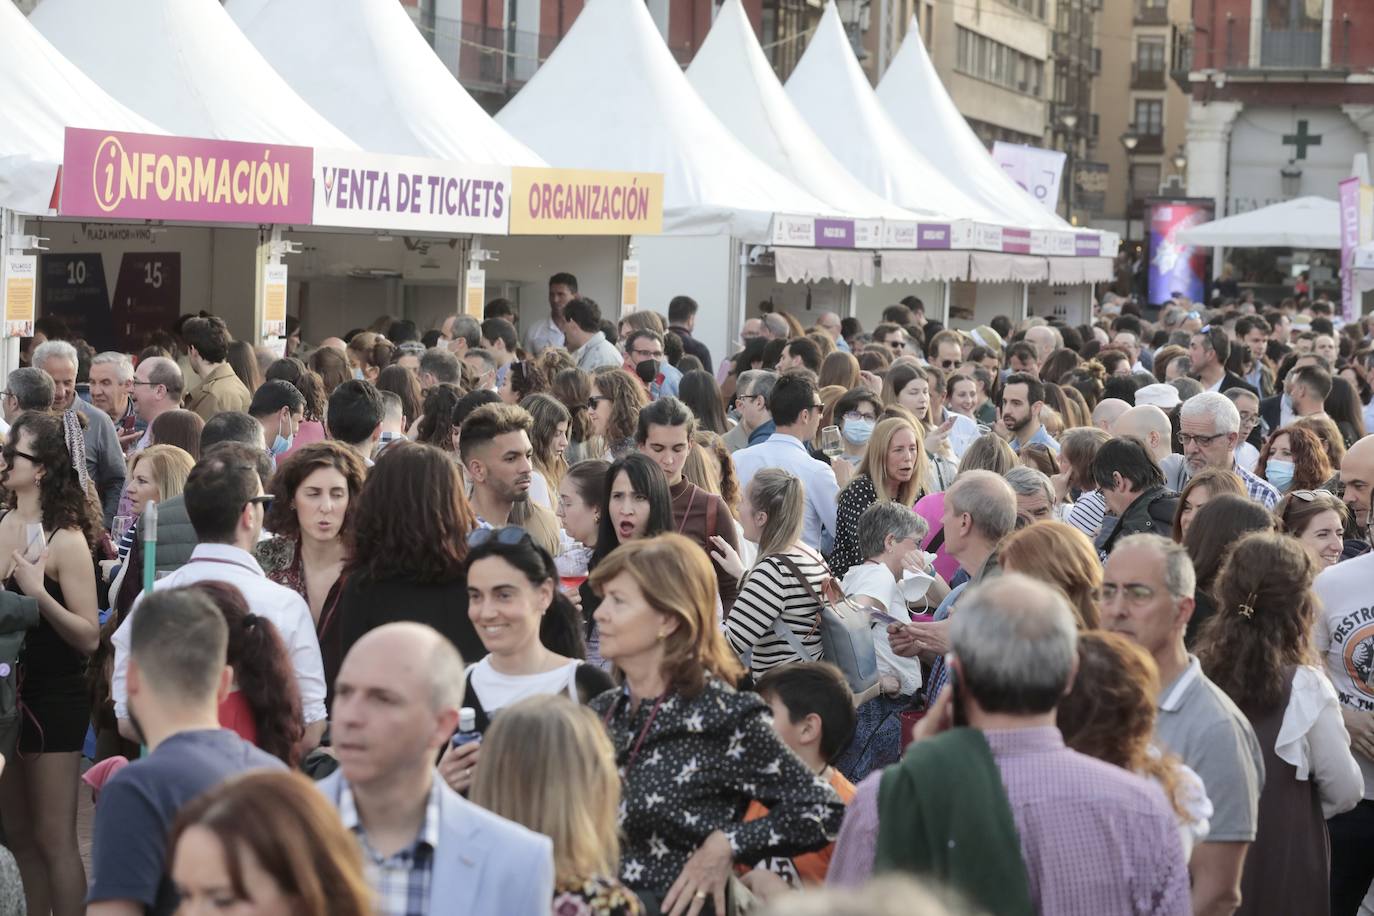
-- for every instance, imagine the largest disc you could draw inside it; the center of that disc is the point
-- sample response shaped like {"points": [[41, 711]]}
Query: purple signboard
{"points": [[106, 174], [834, 233], [933, 235], [1086, 245], [1016, 241]]}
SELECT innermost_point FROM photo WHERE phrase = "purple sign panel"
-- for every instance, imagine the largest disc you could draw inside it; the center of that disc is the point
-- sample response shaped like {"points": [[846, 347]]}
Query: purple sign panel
{"points": [[107, 174], [1086, 245], [1016, 241], [834, 233], [933, 235]]}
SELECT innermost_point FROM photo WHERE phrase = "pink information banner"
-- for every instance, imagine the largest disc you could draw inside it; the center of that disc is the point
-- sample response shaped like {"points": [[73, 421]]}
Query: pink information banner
{"points": [[1350, 240], [107, 174]]}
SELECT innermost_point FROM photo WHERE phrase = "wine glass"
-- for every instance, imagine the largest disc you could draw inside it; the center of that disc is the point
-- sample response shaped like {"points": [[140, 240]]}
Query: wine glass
{"points": [[119, 526], [831, 443]]}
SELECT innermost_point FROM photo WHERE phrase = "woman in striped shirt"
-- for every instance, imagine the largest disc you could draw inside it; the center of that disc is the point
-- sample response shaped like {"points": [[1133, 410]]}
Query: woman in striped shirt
{"points": [[1082, 505], [772, 594]]}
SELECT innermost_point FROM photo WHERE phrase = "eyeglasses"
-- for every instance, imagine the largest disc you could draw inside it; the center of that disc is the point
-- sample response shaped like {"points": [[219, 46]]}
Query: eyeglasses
{"points": [[818, 407], [646, 354], [264, 500], [1201, 441], [948, 363], [509, 536], [1249, 419], [594, 400], [9, 454], [138, 382], [1134, 594], [860, 415]]}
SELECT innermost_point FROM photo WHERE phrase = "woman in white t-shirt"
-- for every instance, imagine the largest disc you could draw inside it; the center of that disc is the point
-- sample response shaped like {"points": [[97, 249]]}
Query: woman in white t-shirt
{"points": [[530, 631], [889, 536]]}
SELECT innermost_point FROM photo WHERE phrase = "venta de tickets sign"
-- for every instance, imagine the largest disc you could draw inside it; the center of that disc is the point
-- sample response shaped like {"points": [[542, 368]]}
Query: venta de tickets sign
{"points": [[408, 193]]}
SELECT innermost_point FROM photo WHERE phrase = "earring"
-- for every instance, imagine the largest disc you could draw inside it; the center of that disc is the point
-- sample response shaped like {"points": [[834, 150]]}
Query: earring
{"points": [[662, 636]]}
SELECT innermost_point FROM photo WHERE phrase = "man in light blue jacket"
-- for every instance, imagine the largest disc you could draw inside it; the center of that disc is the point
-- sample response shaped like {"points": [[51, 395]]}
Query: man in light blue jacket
{"points": [[426, 850]]}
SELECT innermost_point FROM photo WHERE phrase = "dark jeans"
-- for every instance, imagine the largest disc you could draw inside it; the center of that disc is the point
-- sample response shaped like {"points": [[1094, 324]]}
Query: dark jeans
{"points": [[1352, 857]]}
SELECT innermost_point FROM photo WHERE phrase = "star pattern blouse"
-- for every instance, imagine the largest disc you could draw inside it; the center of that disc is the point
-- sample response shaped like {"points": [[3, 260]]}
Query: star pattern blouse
{"points": [[699, 765]]}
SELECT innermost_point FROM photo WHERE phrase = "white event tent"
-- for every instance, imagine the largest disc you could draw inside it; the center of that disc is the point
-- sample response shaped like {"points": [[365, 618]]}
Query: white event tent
{"points": [[833, 95], [612, 96], [185, 65], [1304, 222], [43, 95], [916, 101], [364, 66]]}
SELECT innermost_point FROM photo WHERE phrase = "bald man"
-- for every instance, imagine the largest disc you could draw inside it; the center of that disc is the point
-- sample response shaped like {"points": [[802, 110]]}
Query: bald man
{"points": [[1151, 426], [1046, 340], [1357, 476], [396, 703], [335, 342], [1106, 412]]}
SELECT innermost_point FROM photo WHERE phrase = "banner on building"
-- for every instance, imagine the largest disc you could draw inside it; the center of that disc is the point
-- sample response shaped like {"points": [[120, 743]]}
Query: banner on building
{"points": [[1090, 188], [410, 194], [580, 202], [1176, 267], [1350, 240], [1037, 170], [629, 287], [113, 175]]}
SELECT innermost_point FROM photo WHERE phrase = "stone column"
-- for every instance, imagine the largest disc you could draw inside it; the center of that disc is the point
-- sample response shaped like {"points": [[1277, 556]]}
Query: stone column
{"points": [[1209, 150], [1363, 118]]}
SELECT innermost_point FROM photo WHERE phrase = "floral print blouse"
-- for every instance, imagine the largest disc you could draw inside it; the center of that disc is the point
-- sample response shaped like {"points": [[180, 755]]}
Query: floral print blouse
{"points": [[700, 762], [595, 896]]}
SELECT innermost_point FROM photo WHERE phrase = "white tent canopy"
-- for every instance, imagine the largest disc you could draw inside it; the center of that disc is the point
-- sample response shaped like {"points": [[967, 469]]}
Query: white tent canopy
{"points": [[913, 96], [43, 95], [732, 75], [364, 66], [612, 97], [1304, 222], [185, 65], [833, 95]]}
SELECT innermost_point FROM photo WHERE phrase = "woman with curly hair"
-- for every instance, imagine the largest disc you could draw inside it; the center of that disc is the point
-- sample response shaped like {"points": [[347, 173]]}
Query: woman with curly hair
{"points": [[549, 439], [1110, 714], [264, 705], [573, 388], [523, 378], [49, 514], [314, 494], [1060, 556], [408, 545], [714, 450], [436, 426], [1258, 648], [1293, 459], [554, 360], [614, 403]]}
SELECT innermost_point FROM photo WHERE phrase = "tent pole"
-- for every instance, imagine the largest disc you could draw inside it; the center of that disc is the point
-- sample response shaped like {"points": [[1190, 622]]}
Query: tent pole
{"points": [[945, 297], [1025, 301], [739, 307], [261, 258], [12, 241]]}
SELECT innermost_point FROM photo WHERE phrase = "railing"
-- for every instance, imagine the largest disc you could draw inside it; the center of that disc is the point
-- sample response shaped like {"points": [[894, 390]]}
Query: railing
{"points": [[1151, 13], [1147, 77], [1150, 143], [1181, 57], [1291, 49]]}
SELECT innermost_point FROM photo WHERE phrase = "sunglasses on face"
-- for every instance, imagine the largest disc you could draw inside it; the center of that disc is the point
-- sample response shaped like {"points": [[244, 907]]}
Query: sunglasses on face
{"points": [[509, 536]]}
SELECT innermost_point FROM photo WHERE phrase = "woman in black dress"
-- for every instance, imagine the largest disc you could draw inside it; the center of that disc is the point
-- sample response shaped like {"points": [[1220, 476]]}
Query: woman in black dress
{"points": [[48, 505]]}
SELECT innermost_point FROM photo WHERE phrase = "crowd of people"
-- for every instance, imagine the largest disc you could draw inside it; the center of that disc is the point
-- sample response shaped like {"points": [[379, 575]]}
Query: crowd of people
{"points": [[571, 617]]}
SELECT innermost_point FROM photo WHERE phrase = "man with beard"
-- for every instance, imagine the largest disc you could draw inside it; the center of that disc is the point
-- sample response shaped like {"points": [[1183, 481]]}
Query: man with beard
{"points": [[497, 455], [177, 677], [1023, 396]]}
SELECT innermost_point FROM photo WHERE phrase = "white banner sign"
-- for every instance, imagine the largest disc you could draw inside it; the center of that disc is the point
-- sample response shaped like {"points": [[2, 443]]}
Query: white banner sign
{"points": [[407, 193], [1035, 169]]}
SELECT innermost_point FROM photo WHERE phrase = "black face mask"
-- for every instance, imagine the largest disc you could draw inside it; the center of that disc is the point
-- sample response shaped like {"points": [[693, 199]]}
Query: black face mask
{"points": [[647, 371]]}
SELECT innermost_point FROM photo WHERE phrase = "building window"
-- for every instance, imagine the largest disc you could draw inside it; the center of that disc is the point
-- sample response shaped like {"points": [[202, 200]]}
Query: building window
{"points": [[1144, 180], [1149, 117], [1149, 54], [1291, 34], [1035, 8], [979, 56]]}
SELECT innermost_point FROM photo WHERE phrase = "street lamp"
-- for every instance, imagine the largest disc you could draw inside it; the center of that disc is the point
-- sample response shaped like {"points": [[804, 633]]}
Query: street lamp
{"points": [[1290, 179], [1130, 140], [1070, 121], [1180, 161]]}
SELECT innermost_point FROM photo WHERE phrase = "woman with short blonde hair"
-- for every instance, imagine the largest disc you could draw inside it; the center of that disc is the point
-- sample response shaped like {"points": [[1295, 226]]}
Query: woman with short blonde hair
{"points": [[548, 765]]}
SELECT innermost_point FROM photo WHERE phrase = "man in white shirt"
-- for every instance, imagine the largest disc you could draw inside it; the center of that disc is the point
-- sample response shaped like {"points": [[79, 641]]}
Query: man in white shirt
{"points": [[796, 409], [225, 502], [582, 330], [548, 332]]}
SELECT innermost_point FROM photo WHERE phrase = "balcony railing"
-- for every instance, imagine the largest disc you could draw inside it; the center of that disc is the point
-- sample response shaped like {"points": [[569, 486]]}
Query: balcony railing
{"points": [[1291, 49], [1151, 13], [1150, 143], [1148, 77], [1181, 57]]}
